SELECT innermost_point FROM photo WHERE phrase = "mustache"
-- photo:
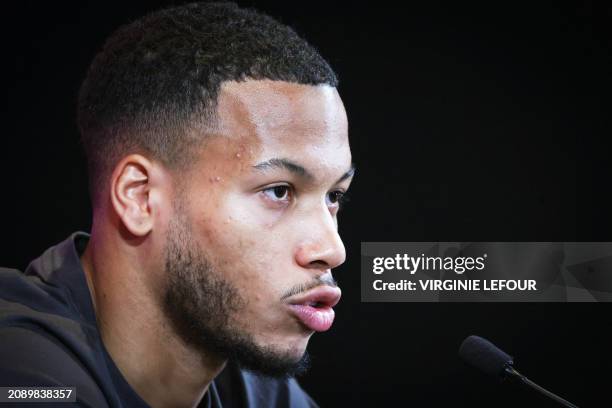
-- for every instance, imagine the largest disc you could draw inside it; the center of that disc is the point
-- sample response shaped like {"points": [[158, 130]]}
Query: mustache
{"points": [[323, 280]]}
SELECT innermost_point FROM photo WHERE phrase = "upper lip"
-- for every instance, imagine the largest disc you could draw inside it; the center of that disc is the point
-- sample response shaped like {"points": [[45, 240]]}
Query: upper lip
{"points": [[320, 296]]}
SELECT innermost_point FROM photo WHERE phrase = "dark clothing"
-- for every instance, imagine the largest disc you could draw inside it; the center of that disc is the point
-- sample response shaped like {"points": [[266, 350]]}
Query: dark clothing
{"points": [[49, 337]]}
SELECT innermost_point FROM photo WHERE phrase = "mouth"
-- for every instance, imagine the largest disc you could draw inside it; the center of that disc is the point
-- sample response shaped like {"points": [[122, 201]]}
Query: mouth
{"points": [[314, 309]]}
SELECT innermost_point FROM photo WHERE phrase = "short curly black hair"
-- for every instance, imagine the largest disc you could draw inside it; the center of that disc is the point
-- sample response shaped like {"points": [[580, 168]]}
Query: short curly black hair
{"points": [[161, 74]]}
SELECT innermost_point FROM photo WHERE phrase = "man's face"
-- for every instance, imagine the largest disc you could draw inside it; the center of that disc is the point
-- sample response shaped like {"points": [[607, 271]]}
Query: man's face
{"points": [[253, 236]]}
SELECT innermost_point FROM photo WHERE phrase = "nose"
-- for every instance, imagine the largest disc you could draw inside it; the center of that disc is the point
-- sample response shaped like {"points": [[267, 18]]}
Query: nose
{"points": [[321, 246]]}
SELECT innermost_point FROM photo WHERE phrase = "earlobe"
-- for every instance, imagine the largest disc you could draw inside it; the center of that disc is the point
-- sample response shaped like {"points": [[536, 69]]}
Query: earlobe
{"points": [[130, 194]]}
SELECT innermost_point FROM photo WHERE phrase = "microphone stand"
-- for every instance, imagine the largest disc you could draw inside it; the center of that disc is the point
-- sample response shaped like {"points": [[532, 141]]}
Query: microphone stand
{"points": [[515, 374]]}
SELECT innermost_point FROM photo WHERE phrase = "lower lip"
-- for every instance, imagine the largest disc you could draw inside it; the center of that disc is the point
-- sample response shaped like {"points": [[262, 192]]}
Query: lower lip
{"points": [[318, 319]]}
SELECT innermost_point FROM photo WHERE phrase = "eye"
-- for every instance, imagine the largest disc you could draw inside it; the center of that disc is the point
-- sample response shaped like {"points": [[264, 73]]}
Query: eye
{"points": [[278, 193], [335, 198]]}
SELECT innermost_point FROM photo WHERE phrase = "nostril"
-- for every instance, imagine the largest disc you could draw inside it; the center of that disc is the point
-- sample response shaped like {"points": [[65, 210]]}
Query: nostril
{"points": [[319, 264]]}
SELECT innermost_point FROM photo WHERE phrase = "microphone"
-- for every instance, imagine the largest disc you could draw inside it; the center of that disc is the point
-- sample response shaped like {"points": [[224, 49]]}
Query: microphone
{"points": [[485, 356]]}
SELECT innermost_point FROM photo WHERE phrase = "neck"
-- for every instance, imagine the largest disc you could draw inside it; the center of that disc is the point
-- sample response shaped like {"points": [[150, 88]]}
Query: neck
{"points": [[162, 369]]}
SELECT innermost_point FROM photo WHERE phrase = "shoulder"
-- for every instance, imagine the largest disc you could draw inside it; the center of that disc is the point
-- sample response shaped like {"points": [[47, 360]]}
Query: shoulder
{"points": [[30, 308], [238, 387], [42, 341], [34, 358], [18, 288]]}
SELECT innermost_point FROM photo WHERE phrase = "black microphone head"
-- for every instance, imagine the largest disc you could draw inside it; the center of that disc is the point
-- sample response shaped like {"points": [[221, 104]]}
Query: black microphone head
{"points": [[485, 356]]}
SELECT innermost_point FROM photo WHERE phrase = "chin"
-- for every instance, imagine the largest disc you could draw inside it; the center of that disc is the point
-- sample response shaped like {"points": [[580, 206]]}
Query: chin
{"points": [[298, 344], [279, 358], [294, 346]]}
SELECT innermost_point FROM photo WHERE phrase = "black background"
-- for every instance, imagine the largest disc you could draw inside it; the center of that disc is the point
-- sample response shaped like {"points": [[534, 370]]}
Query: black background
{"points": [[485, 122]]}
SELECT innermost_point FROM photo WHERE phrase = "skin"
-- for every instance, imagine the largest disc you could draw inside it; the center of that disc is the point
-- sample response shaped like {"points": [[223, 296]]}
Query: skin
{"points": [[265, 241]]}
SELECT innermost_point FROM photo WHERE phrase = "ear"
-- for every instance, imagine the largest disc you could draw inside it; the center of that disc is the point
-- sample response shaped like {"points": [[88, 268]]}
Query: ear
{"points": [[131, 193]]}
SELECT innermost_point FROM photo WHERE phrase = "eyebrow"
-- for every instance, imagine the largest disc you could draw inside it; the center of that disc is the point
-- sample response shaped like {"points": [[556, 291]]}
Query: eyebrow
{"points": [[298, 170], [349, 174]]}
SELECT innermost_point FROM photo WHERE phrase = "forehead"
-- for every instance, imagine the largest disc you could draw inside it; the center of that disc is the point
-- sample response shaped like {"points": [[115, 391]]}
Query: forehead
{"points": [[264, 119]]}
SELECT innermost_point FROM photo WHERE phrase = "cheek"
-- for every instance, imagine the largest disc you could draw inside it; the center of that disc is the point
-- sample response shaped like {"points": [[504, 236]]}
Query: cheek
{"points": [[255, 254], [244, 252], [247, 244], [242, 224]]}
